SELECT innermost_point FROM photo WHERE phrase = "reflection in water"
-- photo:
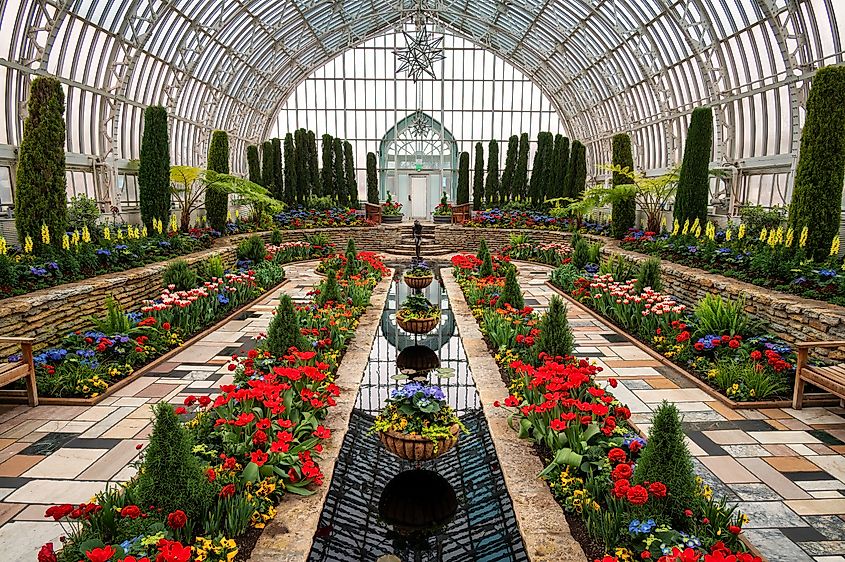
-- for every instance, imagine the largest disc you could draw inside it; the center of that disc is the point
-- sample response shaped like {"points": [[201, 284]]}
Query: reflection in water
{"points": [[379, 507]]}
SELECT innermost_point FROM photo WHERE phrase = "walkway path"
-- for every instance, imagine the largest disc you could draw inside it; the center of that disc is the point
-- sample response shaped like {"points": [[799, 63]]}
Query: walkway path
{"points": [[785, 467], [65, 454]]}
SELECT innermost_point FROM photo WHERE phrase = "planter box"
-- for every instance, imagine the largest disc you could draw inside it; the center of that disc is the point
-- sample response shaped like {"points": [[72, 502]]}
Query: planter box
{"points": [[442, 219], [392, 219]]}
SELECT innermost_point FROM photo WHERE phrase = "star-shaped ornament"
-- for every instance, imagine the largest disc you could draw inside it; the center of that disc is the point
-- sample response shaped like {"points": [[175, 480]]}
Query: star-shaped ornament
{"points": [[419, 54]]}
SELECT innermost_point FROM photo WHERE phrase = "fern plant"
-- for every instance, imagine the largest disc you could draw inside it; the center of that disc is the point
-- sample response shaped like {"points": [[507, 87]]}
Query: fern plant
{"points": [[649, 275], [180, 275], [617, 266], [717, 316], [115, 322], [581, 253]]}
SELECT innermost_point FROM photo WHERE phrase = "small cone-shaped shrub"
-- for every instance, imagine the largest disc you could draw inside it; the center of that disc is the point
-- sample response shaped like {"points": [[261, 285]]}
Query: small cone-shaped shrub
{"points": [[486, 269], [284, 330], [666, 459], [171, 477], [511, 294], [482, 249], [329, 291], [649, 275], [555, 334]]}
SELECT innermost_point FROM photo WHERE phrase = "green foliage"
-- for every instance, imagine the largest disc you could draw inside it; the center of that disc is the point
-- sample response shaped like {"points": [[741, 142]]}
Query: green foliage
{"points": [[278, 172], [351, 253], [351, 182], [542, 169], [666, 459], [486, 268], [329, 290], [510, 169], [212, 268], [217, 198], [154, 169], [694, 181], [649, 275], [115, 322], [252, 249], [463, 179], [288, 194], [313, 166], [757, 217], [511, 294], [560, 161], [171, 476], [179, 274], [82, 211], [276, 236], [478, 178], [579, 181], [565, 276], [301, 158], [491, 189], [617, 266], [817, 196], [482, 250], [758, 384], [253, 162], [327, 171], [284, 330], [268, 178], [341, 191], [269, 274], [581, 254], [717, 316], [555, 334], [372, 179], [624, 213], [519, 188], [594, 252]]}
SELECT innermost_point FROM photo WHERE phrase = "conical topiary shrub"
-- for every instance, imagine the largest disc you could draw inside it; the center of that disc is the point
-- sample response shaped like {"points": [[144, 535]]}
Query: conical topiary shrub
{"points": [[666, 459], [284, 330], [624, 212], [555, 334], [511, 294], [329, 291], [693, 193]]}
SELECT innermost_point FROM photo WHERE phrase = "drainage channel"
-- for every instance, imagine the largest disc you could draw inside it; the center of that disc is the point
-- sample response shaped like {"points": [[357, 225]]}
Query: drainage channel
{"points": [[381, 508]]}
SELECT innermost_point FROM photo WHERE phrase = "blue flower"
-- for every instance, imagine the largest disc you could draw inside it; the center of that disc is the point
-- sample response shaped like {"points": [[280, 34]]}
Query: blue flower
{"points": [[636, 527], [102, 252], [221, 298], [52, 265], [723, 251], [120, 247], [827, 273], [591, 268], [164, 244], [38, 271]]}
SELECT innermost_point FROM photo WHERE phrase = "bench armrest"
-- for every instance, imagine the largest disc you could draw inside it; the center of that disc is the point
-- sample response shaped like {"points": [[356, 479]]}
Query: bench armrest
{"points": [[10, 339], [811, 344]]}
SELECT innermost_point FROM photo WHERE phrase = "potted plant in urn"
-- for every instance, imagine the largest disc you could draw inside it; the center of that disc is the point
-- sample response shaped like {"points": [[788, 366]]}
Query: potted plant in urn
{"points": [[417, 424], [391, 211], [419, 275], [417, 315], [443, 212]]}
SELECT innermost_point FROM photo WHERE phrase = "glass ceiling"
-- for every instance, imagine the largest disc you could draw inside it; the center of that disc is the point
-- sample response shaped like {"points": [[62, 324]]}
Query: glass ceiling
{"points": [[604, 65]]}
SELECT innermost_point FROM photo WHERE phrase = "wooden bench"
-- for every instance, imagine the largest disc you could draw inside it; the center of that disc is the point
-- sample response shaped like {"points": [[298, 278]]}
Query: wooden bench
{"points": [[373, 212], [830, 378], [461, 213], [10, 372]]}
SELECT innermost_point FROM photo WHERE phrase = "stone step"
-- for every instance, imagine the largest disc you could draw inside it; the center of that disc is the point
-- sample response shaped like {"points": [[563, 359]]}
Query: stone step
{"points": [[424, 252]]}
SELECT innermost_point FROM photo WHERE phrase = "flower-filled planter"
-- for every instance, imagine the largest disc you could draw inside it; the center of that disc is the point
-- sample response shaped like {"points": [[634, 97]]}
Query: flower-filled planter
{"points": [[443, 212], [417, 424], [391, 211], [417, 315], [418, 276]]}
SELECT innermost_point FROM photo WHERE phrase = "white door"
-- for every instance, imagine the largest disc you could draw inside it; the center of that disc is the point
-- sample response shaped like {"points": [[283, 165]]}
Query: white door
{"points": [[419, 197]]}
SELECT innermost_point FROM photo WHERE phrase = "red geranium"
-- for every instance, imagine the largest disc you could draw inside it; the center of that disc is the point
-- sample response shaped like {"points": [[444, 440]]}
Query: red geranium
{"points": [[131, 511], [100, 554], [177, 519], [637, 495], [46, 553], [227, 491], [622, 472], [657, 489], [616, 455]]}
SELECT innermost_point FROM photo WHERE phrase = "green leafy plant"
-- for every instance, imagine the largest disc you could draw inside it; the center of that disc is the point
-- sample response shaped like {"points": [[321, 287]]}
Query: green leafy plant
{"points": [[252, 249], [319, 239], [276, 237], [666, 459], [417, 307], [486, 268], [649, 275], [179, 274], [82, 212], [616, 265], [216, 195], [420, 409], [594, 251], [565, 276], [581, 254], [269, 274], [555, 337], [284, 330], [512, 294], [212, 268], [115, 322], [715, 315], [756, 218], [329, 290], [624, 212]]}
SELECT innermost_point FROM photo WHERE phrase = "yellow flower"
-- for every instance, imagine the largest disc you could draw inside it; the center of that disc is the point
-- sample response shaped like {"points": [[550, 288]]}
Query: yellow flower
{"points": [[763, 234], [779, 235], [120, 234], [86, 235], [834, 246], [174, 226], [790, 237], [45, 234], [741, 233], [65, 241], [772, 239], [3, 247], [237, 214], [75, 238], [663, 224], [802, 240], [675, 228], [27, 245], [728, 234], [228, 216], [685, 231], [696, 224], [107, 233], [711, 231], [697, 230], [144, 232]]}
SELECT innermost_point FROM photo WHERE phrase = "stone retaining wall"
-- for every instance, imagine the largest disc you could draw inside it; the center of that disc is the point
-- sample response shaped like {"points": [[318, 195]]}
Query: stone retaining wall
{"points": [[463, 238]]}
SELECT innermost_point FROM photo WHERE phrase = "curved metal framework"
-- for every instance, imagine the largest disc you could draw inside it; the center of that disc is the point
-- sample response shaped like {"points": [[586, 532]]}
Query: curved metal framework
{"points": [[605, 65]]}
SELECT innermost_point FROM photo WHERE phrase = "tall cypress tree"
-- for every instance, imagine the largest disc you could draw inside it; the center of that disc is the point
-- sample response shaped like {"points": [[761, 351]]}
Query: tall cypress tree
{"points": [[463, 179], [217, 198], [519, 187], [288, 194], [278, 170], [510, 169], [303, 176], [268, 175], [491, 189], [327, 172], [153, 173], [313, 165], [693, 193], [541, 169], [569, 181], [579, 182], [559, 161], [478, 178], [624, 213], [372, 179], [817, 196], [253, 162], [341, 192], [351, 181]]}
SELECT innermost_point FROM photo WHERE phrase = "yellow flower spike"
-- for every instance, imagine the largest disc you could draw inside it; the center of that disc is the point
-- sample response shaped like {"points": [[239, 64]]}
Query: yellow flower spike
{"points": [[65, 241], [741, 233], [728, 234], [802, 240], [779, 235], [675, 228], [45, 234], [696, 224], [772, 238], [834, 246], [790, 237], [763, 235], [228, 216], [144, 232], [3, 247], [237, 214], [685, 231], [120, 234], [697, 230], [27, 245], [86, 235], [663, 224], [107, 233]]}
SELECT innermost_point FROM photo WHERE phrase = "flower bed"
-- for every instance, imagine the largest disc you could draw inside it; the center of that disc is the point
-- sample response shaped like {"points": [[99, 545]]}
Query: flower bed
{"points": [[773, 258], [217, 468], [532, 219], [602, 472], [89, 361], [312, 218]]}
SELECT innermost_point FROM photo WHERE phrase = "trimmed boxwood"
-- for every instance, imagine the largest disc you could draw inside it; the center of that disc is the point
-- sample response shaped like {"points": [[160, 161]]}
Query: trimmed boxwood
{"points": [[478, 178], [510, 168], [491, 189], [154, 169], [693, 193], [372, 179], [463, 179], [624, 213], [817, 197]]}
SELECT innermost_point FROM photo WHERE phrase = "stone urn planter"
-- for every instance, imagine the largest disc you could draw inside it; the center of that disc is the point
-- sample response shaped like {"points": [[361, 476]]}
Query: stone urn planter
{"points": [[418, 282], [442, 219], [417, 502], [417, 358], [416, 447], [392, 219], [417, 325]]}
